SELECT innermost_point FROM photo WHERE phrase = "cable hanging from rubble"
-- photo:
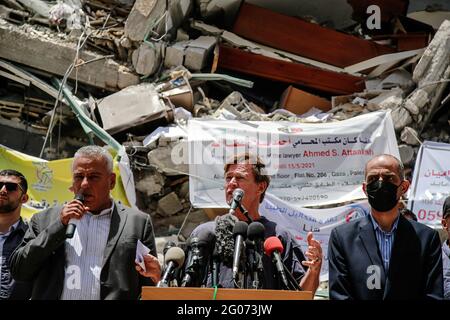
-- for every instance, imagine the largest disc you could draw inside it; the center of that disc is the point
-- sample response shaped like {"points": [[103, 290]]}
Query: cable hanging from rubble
{"points": [[58, 97]]}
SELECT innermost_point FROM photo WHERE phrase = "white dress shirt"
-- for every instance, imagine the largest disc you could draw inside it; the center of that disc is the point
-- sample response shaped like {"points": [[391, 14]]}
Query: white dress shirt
{"points": [[84, 256]]}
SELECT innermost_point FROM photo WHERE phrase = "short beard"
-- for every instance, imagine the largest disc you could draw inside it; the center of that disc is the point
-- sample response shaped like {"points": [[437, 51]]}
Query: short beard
{"points": [[9, 207]]}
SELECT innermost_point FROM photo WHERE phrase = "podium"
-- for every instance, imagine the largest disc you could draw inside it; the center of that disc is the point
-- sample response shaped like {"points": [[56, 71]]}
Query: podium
{"points": [[185, 293]]}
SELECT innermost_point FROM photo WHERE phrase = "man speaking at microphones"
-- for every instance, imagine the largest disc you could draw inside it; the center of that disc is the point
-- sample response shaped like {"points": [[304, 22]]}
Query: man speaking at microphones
{"points": [[85, 250], [248, 174]]}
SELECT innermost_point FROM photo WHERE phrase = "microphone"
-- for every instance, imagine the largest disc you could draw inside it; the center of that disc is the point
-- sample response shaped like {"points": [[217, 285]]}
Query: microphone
{"points": [[224, 237], [255, 235], [199, 248], [274, 248], [238, 194], [168, 245], [174, 258], [239, 234], [70, 231]]}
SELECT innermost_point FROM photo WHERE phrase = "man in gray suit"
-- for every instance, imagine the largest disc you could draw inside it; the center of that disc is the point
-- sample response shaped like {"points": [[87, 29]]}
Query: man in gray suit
{"points": [[98, 261]]}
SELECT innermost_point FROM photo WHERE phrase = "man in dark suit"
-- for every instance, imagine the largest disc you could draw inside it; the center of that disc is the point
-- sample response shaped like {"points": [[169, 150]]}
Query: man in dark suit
{"points": [[384, 256], [13, 193], [98, 262]]}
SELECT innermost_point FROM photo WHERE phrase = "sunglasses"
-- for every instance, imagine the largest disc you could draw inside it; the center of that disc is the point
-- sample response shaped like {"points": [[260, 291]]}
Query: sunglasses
{"points": [[10, 186]]}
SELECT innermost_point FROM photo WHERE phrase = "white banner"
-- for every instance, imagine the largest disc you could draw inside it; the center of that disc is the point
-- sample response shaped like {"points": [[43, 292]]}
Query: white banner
{"points": [[431, 182], [299, 221], [309, 164]]}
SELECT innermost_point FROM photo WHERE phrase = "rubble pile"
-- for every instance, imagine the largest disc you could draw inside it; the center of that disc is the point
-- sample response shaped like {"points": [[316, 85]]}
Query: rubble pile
{"points": [[141, 69]]}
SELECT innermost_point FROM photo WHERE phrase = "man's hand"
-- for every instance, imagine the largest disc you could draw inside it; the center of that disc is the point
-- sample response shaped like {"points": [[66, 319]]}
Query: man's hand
{"points": [[314, 253], [153, 268], [74, 209]]}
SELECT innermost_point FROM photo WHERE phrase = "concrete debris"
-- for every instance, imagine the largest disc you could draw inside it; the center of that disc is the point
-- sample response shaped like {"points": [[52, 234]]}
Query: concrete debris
{"points": [[144, 68], [169, 205], [151, 184], [410, 136], [131, 107], [147, 58], [401, 118], [175, 54], [193, 54], [70, 14], [38, 6], [406, 154], [170, 159], [198, 52]]}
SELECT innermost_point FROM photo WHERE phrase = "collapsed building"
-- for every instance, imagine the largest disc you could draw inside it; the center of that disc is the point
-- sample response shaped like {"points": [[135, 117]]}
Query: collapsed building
{"points": [[135, 66]]}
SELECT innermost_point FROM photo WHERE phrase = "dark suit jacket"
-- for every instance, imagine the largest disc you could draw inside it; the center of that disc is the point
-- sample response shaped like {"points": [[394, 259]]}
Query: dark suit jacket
{"points": [[10, 288], [415, 268], [41, 255]]}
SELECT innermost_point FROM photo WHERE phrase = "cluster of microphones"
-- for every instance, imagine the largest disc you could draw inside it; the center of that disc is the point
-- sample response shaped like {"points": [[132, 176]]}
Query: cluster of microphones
{"points": [[192, 266]]}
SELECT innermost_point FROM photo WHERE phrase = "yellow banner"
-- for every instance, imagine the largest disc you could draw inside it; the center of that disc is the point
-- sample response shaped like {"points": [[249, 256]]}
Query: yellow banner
{"points": [[48, 181]]}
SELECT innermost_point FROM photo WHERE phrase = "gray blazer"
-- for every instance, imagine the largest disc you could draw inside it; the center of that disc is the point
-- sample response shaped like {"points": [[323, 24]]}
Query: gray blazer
{"points": [[41, 255]]}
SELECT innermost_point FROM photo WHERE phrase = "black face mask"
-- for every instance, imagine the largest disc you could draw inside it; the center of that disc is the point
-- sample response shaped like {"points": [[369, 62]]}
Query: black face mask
{"points": [[382, 195]]}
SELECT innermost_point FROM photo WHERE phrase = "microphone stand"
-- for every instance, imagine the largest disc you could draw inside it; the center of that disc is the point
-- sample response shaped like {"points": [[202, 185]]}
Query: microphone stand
{"points": [[244, 267], [258, 271], [245, 213], [294, 285]]}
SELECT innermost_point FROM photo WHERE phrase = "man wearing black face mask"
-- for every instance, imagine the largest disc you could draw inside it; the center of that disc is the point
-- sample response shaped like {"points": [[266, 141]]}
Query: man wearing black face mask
{"points": [[384, 256]]}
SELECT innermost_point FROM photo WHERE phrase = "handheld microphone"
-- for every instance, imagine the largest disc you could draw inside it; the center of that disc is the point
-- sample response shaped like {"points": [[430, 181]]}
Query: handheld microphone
{"points": [[174, 258], [70, 231], [238, 194], [239, 234], [274, 248]]}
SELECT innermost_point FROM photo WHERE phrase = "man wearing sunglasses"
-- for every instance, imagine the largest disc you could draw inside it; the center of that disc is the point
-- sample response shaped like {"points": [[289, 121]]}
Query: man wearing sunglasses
{"points": [[13, 193]]}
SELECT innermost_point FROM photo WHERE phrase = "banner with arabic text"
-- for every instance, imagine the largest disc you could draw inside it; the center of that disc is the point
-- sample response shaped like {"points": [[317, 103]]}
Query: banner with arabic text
{"points": [[431, 182], [309, 164], [299, 221]]}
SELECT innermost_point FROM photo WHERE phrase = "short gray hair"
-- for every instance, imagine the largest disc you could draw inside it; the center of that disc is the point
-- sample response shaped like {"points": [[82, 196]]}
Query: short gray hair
{"points": [[95, 152]]}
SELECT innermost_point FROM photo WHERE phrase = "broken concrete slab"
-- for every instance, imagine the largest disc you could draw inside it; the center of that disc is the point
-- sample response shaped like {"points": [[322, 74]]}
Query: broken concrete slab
{"points": [[55, 56], [399, 78], [401, 118], [40, 7], [391, 99], [170, 204], [198, 51], [417, 101], [175, 54], [172, 159], [147, 58], [178, 11], [142, 18], [434, 60], [131, 107], [151, 18], [151, 184], [410, 136]]}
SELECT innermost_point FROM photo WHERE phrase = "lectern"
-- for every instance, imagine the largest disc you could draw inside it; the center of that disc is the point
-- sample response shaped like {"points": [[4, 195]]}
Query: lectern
{"points": [[183, 293]]}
